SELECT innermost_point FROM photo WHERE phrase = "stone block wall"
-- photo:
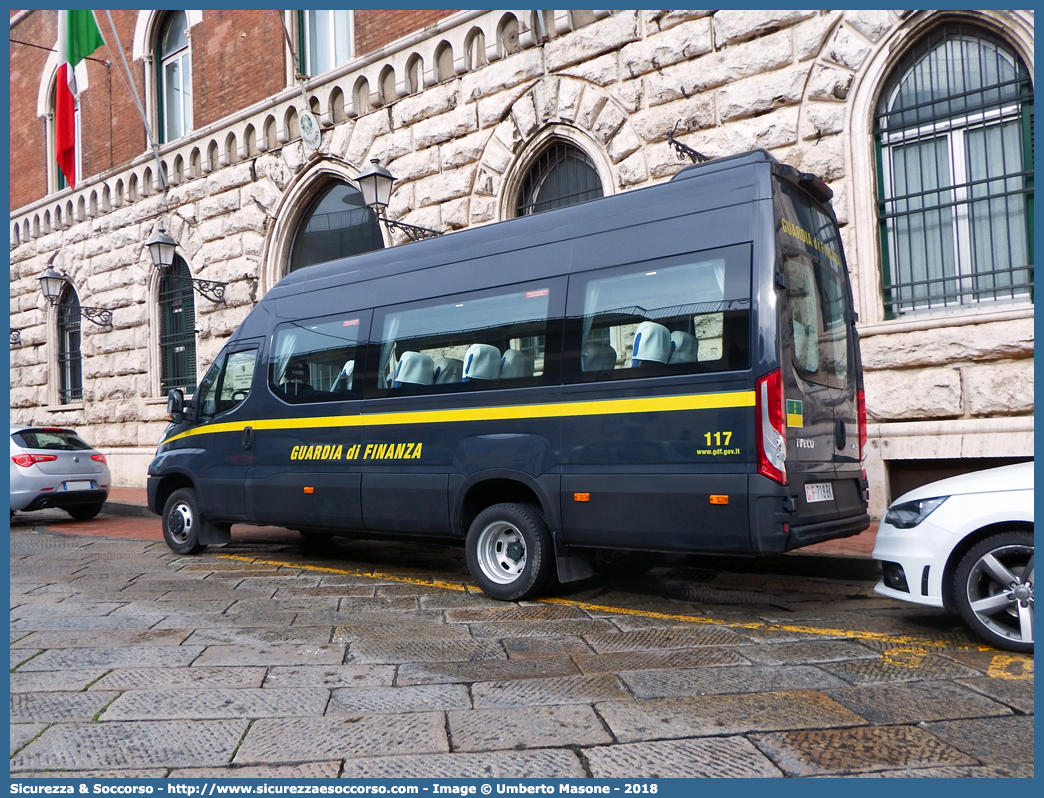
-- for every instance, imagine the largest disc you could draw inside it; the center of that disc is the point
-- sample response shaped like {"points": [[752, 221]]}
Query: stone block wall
{"points": [[724, 81]]}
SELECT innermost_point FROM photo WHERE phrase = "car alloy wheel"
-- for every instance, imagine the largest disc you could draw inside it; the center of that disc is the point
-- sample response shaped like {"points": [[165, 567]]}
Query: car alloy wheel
{"points": [[994, 590]]}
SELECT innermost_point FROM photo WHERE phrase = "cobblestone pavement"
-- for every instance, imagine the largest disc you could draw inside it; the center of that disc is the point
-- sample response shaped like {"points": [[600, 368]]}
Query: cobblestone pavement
{"points": [[267, 657]]}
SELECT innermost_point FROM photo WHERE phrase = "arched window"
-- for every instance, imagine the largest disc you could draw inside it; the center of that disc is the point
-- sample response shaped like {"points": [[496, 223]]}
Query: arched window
{"points": [[335, 226], [561, 175], [70, 369], [177, 320], [955, 174], [174, 77], [326, 40]]}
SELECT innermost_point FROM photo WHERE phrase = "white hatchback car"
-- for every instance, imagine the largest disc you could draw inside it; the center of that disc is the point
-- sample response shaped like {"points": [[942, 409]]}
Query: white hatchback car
{"points": [[966, 544]]}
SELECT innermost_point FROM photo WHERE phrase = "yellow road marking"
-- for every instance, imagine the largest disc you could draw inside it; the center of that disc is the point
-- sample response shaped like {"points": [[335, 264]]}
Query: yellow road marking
{"points": [[653, 404], [347, 572], [905, 657], [910, 656], [1012, 667]]}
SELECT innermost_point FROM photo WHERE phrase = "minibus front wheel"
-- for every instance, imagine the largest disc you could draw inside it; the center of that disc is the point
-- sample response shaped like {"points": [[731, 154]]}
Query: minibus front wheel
{"points": [[181, 522], [509, 551]]}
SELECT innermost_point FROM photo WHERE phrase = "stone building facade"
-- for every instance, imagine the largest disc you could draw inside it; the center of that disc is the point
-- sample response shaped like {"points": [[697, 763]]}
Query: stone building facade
{"points": [[459, 106]]}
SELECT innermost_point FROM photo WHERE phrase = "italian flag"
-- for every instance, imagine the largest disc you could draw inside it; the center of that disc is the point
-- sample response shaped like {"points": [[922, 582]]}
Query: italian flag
{"points": [[78, 37]]}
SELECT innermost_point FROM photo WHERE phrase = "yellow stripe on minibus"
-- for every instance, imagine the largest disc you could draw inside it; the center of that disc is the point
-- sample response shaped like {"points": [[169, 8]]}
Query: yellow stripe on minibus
{"points": [[655, 404]]}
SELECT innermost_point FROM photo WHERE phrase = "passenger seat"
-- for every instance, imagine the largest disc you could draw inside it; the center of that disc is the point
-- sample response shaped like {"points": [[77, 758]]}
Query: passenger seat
{"points": [[481, 362], [296, 379], [447, 370], [652, 344], [515, 364], [598, 357], [415, 368], [684, 347]]}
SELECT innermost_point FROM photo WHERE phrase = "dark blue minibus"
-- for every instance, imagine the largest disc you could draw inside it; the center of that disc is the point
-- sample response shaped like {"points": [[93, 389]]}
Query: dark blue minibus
{"points": [[670, 370]]}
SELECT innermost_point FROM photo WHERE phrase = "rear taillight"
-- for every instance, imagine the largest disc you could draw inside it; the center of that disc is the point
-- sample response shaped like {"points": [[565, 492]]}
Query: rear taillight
{"points": [[100, 458], [26, 460], [770, 429], [861, 415]]}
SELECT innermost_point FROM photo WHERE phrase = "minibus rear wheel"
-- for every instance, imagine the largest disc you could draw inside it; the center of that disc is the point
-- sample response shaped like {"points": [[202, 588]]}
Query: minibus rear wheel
{"points": [[181, 522], [509, 551]]}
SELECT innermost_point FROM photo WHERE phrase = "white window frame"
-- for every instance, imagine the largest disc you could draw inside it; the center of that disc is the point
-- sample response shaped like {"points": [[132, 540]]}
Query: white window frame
{"points": [[307, 21], [163, 105]]}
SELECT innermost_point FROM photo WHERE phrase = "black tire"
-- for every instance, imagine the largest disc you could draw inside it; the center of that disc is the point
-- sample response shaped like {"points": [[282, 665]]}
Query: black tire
{"points": [[509, 551], [84, 512], [181, 522], [615, 563], [993, 588]]}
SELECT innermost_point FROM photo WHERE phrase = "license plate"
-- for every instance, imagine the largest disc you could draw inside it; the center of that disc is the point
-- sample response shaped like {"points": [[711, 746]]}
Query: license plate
{"points": [[79, 485], [819, 492]]}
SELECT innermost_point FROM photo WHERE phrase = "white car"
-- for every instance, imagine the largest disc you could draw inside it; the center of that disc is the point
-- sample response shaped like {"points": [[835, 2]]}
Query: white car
{"points": [[966, 544]]}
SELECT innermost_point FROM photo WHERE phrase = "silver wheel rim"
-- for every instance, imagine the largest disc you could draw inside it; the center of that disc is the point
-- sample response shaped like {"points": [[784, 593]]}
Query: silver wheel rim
{"points": [[180, 522], [1000, 591], [501, 552]]}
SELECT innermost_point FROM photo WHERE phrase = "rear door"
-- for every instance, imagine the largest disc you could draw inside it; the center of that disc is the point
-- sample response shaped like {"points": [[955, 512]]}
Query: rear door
{"points": [[820, 363]]}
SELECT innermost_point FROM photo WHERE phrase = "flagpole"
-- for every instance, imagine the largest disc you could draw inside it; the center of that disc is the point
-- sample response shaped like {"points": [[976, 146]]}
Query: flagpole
{"points": [[137, 100]]}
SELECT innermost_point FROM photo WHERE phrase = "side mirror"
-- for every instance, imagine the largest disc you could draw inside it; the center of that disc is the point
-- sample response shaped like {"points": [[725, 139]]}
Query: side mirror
{"points": [[176, 405]]}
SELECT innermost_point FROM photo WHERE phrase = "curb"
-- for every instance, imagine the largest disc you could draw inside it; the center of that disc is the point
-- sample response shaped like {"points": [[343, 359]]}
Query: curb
{"points": [[128, 510]]}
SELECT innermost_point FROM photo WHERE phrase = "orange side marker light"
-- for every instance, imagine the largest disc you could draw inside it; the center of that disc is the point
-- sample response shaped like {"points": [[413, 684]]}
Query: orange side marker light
{"points": [[309, 491], [581, 497], [718, 498]]}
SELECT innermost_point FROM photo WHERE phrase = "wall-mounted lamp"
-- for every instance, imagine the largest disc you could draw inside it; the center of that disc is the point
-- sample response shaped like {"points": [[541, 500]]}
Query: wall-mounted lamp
{"points": [[51, 284], [161, 248], [376, 188]]}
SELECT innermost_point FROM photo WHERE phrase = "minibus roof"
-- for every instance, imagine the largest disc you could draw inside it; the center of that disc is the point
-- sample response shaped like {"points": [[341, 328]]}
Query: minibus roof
{"points": [[550, 226]]}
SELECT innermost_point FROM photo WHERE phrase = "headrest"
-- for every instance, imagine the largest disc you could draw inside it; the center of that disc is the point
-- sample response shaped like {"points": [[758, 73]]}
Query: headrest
{"points": [[684, 347], [481, 362], [415, 368], [652, 341], [516, 363], [297, 371], [598, 357], [448, 369]]}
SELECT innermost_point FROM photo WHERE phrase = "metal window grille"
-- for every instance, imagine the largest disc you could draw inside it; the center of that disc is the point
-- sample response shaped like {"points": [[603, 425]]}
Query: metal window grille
{"points": [[177, 329], [336, 225], [70, 370], [562, 175], [954, 133]]}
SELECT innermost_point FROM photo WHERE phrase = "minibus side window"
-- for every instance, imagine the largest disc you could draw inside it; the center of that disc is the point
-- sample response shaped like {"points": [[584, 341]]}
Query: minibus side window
{"points": [[485, 339], [206, 393], [227, 383], [314, 360], [674, 315]]}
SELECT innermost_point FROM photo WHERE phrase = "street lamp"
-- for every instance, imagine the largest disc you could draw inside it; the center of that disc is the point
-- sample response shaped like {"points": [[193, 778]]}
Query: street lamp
{"points": [[162, 249], [51, 284], [376, 186]]}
